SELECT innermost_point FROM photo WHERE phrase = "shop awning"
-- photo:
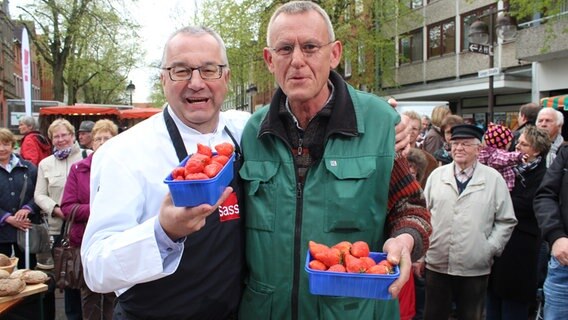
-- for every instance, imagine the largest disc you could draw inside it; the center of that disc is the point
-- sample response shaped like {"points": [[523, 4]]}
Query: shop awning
{"points": [[138, 113], [556, 102], [78, 110]]}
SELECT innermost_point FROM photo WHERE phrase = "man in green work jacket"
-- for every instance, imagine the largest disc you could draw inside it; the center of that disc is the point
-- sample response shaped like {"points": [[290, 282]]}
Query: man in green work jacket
{"points": [[320, 165]]}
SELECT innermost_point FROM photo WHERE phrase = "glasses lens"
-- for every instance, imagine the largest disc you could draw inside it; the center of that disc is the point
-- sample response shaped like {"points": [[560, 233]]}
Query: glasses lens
{"points": [[210, 72], [180, 73]]}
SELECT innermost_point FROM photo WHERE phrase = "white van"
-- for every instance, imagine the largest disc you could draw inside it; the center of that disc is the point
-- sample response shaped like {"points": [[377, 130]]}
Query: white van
{"points": [[422, 107]]}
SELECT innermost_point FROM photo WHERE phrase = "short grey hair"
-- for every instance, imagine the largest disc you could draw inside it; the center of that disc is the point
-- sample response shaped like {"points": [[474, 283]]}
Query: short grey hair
{"points": [[297, 7], [559, 116], [28, 121], [197, 31]]}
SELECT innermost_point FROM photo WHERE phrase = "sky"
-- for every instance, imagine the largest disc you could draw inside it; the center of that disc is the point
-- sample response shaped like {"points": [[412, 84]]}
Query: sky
{"points": [[158, 19]]}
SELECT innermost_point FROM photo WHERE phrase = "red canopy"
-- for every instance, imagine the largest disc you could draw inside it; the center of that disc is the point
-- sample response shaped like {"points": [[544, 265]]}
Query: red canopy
{"points": [[138, 113], [77, 110]]}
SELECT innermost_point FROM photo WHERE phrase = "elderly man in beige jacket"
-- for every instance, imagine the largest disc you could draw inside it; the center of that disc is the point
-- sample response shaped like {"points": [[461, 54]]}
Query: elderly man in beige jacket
{"points": [[472, 220]]}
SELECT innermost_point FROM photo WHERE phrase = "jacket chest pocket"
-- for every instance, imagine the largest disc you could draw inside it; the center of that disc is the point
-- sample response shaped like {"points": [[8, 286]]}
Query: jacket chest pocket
{"points": [[55, 179], [261, 196], [350, 194]]}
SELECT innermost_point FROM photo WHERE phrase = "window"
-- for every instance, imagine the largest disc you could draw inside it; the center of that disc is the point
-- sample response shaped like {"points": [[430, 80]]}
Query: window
{"points": [[413, 4], [471, 17], [411, 47], [441, 38]]}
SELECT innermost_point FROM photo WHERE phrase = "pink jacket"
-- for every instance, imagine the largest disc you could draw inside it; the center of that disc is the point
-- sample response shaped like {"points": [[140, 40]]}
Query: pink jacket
{"points": [[77, 192]]}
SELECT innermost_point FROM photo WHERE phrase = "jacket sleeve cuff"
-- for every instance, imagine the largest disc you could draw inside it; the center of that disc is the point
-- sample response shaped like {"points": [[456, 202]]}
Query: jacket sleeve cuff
{"points": [[5, 216]]}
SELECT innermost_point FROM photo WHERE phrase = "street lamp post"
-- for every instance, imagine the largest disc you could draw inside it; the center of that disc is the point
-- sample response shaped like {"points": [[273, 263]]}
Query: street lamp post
{"points": [[251, 92], [130, 90], [480, 34]]}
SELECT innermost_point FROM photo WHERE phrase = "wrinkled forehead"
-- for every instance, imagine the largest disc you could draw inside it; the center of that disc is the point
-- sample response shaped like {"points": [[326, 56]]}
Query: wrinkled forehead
{"points": [[193, 49]]}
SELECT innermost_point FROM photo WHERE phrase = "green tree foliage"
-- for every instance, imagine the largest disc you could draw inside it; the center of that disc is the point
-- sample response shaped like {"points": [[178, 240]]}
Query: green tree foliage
{"points": [[89, 45], [368, 45]]}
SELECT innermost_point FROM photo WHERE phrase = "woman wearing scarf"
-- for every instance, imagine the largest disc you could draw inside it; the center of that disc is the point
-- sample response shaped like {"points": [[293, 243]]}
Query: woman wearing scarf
{"points": [[51, 177], [513, 279]]}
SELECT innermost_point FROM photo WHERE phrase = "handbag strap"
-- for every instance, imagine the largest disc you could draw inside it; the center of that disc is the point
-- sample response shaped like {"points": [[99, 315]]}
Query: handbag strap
{"points": [[70, 222]]}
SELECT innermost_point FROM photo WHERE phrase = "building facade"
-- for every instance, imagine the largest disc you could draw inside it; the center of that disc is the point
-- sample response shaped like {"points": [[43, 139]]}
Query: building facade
{"points": [[435, 61], [11, 82]]}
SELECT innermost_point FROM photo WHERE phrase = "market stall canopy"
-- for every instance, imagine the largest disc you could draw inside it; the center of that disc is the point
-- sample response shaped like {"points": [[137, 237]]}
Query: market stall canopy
{"points": [[78, 110], [556, 102], [138, 113]]}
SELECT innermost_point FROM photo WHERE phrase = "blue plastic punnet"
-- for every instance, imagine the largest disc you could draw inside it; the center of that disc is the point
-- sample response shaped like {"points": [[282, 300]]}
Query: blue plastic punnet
{"points": [[358, 285], [191, 193]]}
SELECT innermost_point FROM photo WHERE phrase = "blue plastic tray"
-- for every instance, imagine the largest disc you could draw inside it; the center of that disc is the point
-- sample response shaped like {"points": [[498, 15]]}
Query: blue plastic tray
{"points": [[358, 285], [190, 193]]}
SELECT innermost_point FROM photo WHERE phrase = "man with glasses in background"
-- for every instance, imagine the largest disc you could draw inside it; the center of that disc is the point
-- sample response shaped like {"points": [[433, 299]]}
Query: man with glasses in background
{"points": [[472, 220], [162, 261]]}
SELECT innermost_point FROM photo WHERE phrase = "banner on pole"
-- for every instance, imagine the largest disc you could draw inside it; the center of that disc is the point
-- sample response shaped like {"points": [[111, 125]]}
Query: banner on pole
{"points": [[26, 72]]}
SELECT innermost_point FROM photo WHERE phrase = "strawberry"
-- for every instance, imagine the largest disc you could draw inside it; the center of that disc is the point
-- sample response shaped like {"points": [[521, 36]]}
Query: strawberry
{"points": [[194, 166], [178, 172], [196, 176], [317, 265], [205, 150], [330, 257], [316, 248], [337, 268], [221, 159], [354, 265], [343, 246], [225, 149], [360, 249], [212, 169], [368, 261], [378, 269], [200, 158], [387, 265]]}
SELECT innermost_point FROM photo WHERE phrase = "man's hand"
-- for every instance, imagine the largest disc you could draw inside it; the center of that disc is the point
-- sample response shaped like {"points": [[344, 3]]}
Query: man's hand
{"points": [[398, 253], [402, 138], [179, 222], [418, 268], [559, 250]]}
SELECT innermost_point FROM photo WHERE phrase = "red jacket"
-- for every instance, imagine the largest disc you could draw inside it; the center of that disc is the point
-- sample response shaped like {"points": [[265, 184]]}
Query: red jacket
{"points": [[34, 147]]}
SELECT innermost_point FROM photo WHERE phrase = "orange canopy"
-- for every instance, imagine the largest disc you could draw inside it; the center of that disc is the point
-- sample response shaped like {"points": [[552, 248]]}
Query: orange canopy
{"points": [[138, 113], [77, 110]]}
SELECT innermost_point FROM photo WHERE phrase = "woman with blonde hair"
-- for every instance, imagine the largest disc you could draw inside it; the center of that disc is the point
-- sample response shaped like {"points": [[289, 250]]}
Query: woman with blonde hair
{"points": [[434, 138], [51, 176], [76, 200]]}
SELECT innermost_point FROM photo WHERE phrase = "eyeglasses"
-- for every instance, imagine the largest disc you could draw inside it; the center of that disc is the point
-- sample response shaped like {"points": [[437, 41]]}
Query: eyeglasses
{"points": [[456, 144], [61, 136], [206, 72], [308, 49]]}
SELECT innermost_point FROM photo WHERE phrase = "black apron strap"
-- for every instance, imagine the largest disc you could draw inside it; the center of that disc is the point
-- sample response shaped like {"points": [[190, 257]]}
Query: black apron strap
{"points": [[175, 136]]}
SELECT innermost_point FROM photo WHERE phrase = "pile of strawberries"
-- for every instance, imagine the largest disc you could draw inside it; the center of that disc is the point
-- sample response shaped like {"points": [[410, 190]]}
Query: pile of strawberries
{"points": [[203, 165], [346, 257]]}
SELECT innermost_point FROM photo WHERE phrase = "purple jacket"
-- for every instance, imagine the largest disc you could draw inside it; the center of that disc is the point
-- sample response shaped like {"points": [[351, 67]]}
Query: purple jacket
{"points": [[77, 192]]}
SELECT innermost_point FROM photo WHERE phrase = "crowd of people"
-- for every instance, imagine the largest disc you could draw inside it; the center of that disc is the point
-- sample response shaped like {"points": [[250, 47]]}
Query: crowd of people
{"points": [[450, 203]]}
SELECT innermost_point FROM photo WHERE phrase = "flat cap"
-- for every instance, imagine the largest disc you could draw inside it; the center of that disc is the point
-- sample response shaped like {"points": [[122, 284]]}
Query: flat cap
{"points": [[467, 131], [86, 126]]}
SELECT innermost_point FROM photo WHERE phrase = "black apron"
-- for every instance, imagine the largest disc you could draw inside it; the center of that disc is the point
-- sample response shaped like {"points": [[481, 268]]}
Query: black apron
{"points": [[209, 280]]}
